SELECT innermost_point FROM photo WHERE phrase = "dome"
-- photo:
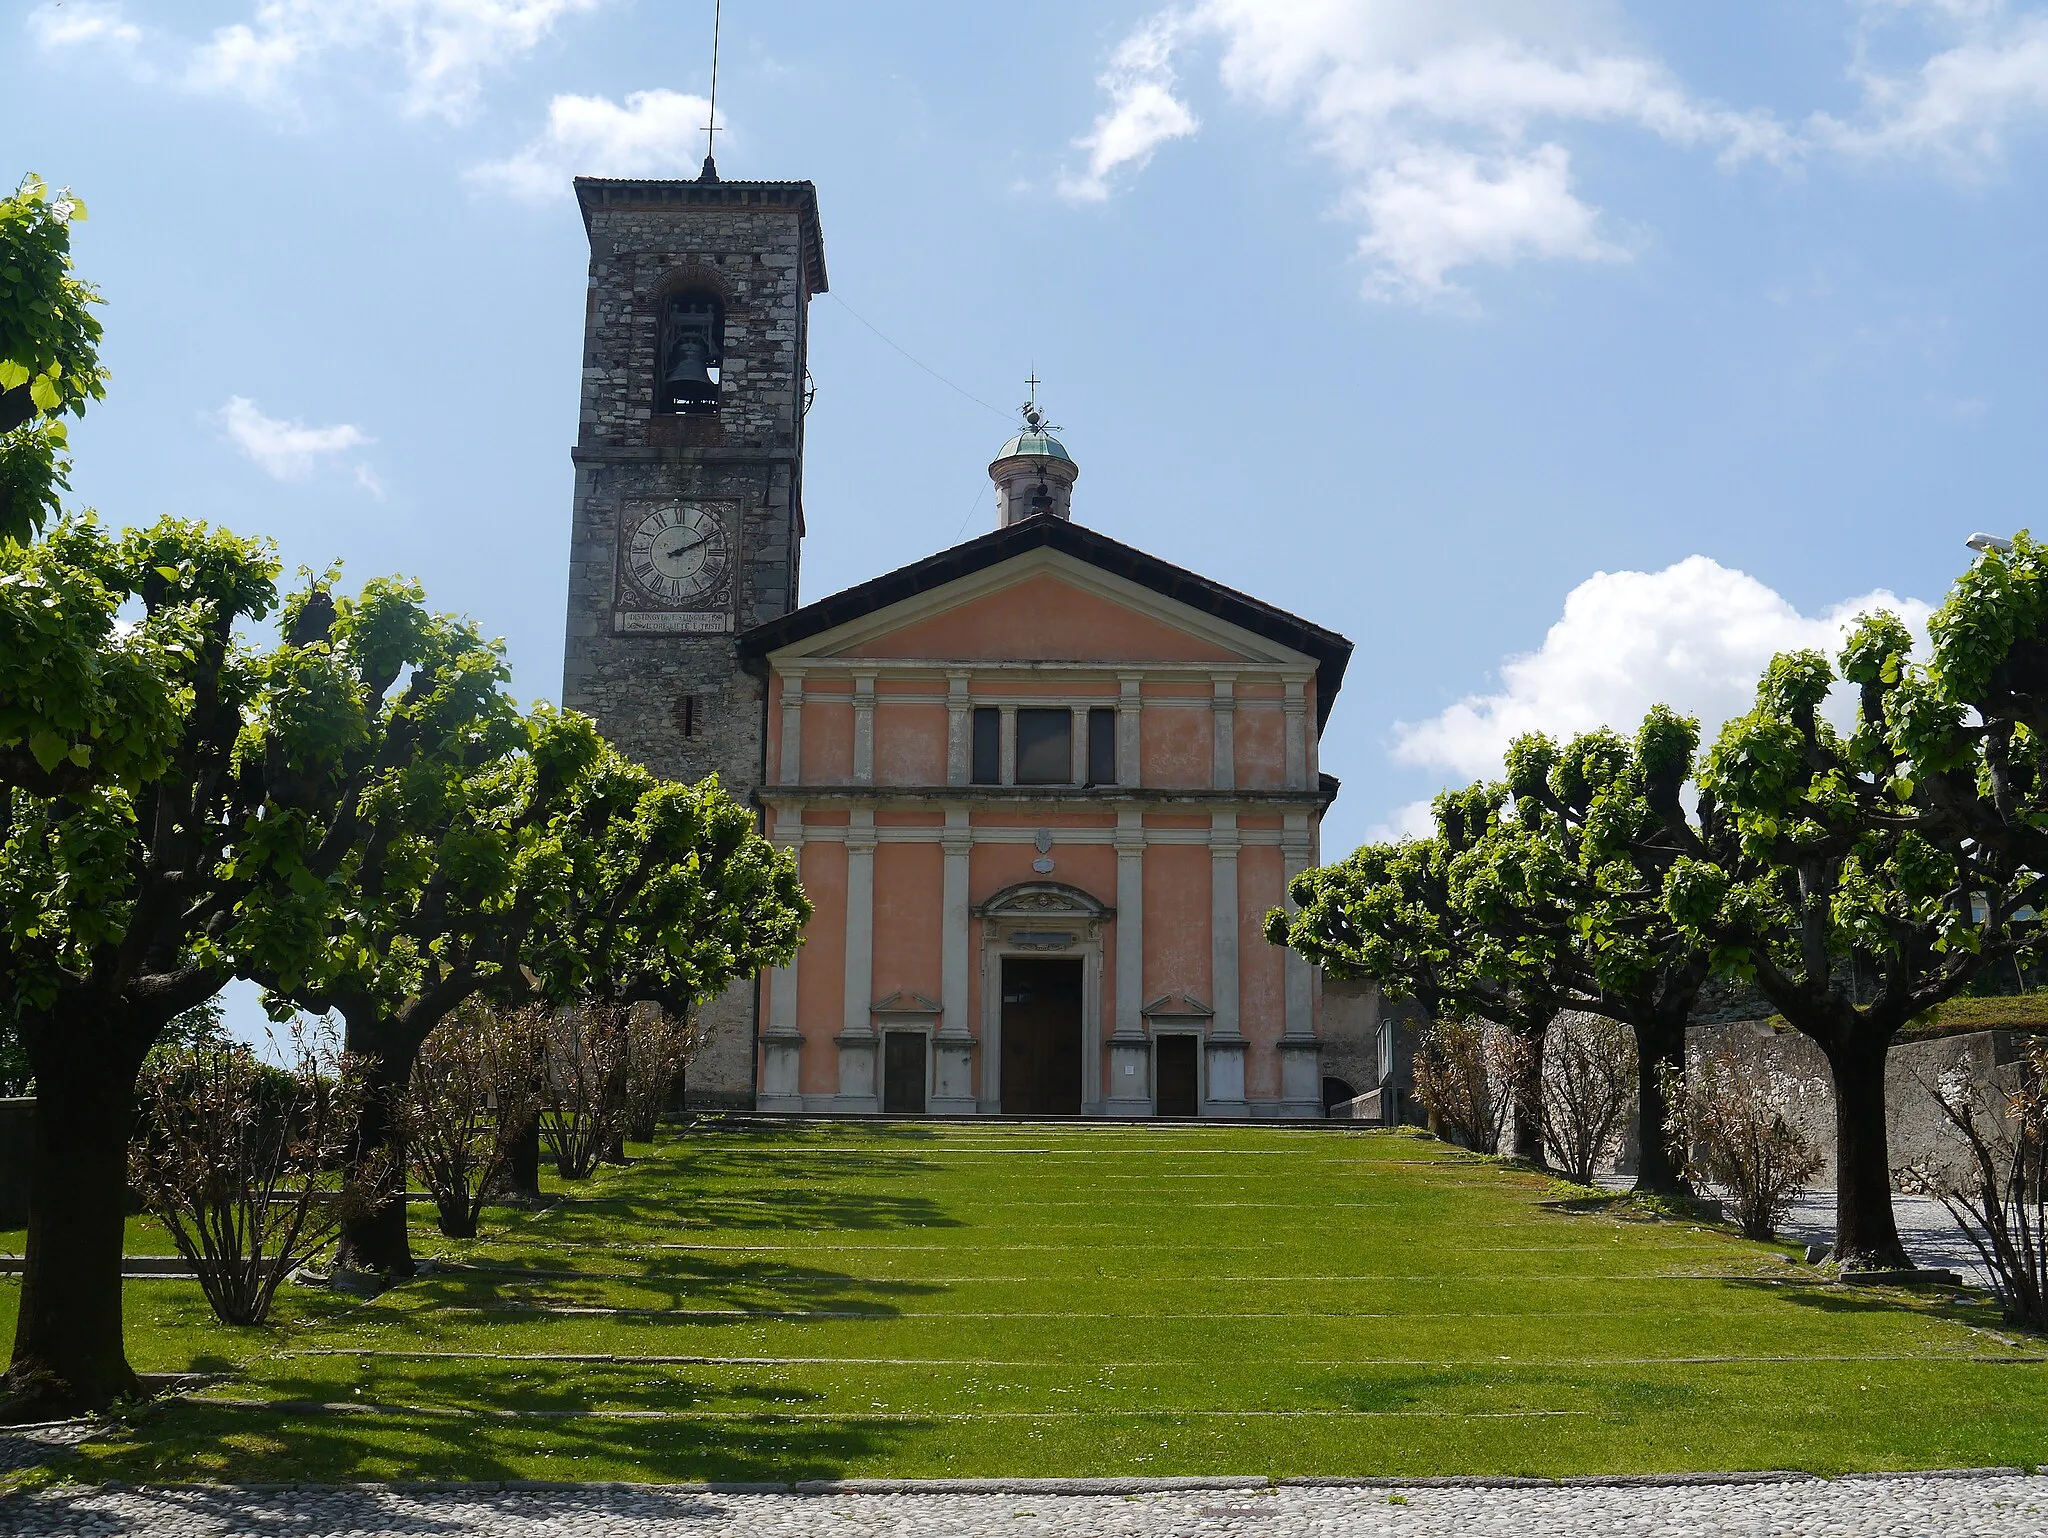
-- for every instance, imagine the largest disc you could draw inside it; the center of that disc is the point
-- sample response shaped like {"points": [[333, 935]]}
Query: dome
{"points": [[1040, 445]]}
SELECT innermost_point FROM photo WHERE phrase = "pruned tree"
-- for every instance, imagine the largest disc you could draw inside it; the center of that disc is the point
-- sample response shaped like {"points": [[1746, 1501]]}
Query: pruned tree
{"points": [[134, 829], [49, 352], [1905, 854], [1395, 914]]}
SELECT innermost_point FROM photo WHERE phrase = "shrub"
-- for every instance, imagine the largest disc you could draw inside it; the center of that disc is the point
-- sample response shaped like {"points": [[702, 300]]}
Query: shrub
{"points": [[471, 1097], [1732, 1122], [1464, 1076], [658, 1048], [1999, 1195], [583, 1105], [1589, 1091], [238, 1159]]}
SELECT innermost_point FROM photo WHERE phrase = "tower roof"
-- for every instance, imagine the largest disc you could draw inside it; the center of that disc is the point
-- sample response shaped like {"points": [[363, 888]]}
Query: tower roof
{"points": [[595, 192], [1041, 445]]}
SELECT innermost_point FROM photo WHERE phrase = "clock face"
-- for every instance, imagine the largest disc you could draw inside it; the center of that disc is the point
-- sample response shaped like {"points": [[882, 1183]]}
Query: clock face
{"points": [[677, 555]]}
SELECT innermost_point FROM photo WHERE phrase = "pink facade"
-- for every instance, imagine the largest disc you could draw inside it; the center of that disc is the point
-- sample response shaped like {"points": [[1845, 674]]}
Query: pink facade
{"points": [[1041, 809]]}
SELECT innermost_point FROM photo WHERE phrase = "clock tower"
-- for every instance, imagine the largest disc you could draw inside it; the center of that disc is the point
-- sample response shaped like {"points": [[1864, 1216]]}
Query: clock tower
{"points": [[689, 489]]}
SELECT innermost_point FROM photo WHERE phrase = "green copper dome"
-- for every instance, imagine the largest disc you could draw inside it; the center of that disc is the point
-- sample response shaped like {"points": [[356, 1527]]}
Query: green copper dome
{"points": [[1040, 444]]}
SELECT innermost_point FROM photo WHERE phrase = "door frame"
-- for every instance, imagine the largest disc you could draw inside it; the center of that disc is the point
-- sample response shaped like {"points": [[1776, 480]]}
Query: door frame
{"points": [[1197, 1035], [907, 1025], [1042, 921]]}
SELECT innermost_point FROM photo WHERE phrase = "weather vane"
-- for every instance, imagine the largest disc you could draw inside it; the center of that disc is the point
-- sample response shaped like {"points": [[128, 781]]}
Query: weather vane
{"points": [[1034, 419]]}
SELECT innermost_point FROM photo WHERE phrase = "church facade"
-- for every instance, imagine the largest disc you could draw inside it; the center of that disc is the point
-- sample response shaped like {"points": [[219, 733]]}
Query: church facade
{"points": [[1042, 787]]}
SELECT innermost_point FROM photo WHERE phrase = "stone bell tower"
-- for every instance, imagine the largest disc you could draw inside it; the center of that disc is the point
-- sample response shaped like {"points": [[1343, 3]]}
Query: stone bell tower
{"points": [[689, 488]]}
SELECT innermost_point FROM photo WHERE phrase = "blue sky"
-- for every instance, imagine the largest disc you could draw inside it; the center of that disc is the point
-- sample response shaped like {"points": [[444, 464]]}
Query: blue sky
{"points": [[1566, 356]]}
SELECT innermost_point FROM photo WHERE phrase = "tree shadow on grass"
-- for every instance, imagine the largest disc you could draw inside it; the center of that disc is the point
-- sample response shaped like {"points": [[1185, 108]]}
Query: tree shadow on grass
{"points": [[1830, 1298], [191, 1441], [690, 1282]]}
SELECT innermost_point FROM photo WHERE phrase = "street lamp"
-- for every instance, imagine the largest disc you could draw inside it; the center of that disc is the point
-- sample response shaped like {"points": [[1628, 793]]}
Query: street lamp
{"points": [[1984, 543]]}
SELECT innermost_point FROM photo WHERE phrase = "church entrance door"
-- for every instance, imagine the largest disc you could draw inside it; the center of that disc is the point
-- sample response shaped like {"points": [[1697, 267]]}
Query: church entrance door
{"points": [[1041, 1037], [1179, 1090]]}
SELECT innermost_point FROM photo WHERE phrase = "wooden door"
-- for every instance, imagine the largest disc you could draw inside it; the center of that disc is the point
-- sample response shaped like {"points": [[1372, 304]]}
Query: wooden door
{"points": [[1041, 1037], [903, 1072], [1176, 1059]]}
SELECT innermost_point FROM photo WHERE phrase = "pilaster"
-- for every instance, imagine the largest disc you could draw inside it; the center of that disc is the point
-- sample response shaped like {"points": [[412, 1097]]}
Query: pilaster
{"points": [[856, 1040], [782, 1042], [791, 768], [1226, 1044], [1008, 741], [1301, 1056], [1129, 725], [953, 1044], [1224, 736], [959, 731], [863, 728], [1297, 735], [1130, 1049]]}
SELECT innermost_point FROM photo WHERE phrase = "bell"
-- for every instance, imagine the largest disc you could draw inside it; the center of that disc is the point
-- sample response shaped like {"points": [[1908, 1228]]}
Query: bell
{"points": [[1041, 498], [688, 386]]}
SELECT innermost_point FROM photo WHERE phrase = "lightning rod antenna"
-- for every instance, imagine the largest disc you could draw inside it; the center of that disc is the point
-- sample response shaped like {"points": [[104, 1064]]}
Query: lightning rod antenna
{"points": [[710, 173]]}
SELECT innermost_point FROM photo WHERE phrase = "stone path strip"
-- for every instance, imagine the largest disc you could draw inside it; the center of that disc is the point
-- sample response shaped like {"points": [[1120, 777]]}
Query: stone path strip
{"points": [[1984, 1504]]}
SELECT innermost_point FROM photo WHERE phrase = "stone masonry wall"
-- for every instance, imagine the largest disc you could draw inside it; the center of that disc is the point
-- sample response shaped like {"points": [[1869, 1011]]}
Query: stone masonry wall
{"points": [[745, 464]]}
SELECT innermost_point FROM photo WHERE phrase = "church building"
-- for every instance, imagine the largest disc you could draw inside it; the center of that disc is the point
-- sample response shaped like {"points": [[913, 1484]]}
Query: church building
{"points": [[1042, 786]]}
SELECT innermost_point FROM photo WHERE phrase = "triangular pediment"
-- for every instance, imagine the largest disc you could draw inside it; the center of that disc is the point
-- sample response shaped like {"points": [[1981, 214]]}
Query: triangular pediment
{"points": [[1043, 606]]}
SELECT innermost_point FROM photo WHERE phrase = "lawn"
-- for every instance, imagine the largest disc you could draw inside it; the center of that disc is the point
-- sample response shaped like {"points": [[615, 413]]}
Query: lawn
{"points": [[1003, 1299]]}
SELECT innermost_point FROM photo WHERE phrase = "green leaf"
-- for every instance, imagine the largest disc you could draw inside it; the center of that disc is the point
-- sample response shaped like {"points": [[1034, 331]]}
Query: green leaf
{"points": [[168, 573], [12, 375], [49, 749], [43, 391]]}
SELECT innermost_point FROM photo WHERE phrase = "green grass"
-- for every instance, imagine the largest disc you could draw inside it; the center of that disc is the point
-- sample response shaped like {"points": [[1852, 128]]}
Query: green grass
{"points": [[1005, 1299]]}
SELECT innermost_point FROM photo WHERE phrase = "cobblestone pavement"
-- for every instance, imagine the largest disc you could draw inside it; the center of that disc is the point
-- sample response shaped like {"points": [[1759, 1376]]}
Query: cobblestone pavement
{"points": [[1930, 1234], [1973, 1506]]}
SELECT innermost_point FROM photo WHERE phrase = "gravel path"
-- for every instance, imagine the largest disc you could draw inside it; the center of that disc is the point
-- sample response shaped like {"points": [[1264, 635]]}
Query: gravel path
{"points": [[1972, 1506], [1930, 1234]]}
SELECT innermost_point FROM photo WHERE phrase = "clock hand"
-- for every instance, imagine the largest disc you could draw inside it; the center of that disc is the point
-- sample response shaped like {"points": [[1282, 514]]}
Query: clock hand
{"points": [[679, 550]]}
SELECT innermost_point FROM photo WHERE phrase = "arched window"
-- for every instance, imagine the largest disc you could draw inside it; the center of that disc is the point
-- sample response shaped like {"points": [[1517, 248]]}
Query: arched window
{"points": [[692, 354]]}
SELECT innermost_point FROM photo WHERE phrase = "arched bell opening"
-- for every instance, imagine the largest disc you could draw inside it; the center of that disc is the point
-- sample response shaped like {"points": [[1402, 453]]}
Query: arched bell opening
{"points": [[692, 356]]}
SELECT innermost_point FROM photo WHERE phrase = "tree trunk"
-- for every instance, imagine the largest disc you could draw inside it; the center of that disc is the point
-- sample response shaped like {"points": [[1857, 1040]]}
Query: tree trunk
{"points": [[522, 1172], [374, 1238], [1866, 1233], [1525, 1104], [69, 1355], [1659, 1046]]}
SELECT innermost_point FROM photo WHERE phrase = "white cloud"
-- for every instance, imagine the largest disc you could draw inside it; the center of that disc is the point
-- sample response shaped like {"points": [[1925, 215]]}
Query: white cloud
{"points": [[1962, 102], [82, 24], [291, 451], [1437, 208], [1143, 111], [656, 133], [444, 49], [1430, 111], [1415, 820], [1695, 636]]}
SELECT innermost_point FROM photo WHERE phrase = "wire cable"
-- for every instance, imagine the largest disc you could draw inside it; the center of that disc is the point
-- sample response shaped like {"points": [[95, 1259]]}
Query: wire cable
{"points": [[941, 378]]}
